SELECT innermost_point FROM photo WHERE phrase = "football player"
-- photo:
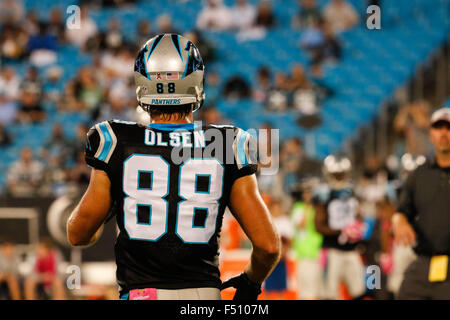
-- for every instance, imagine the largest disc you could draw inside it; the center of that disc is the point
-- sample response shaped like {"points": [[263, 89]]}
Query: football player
{"points": [[337, 219], [168, 185]]}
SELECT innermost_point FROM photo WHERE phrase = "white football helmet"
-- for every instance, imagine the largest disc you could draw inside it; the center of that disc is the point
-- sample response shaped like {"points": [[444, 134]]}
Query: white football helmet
{"points": [[337, 171], [169, 71]]}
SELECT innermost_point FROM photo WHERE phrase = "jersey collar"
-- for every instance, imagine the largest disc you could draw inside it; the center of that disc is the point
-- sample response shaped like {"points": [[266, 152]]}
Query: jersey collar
{"points": [[171, 127]]}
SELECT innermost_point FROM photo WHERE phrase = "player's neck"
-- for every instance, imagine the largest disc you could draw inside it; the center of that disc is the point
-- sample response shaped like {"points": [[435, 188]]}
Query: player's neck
{"points": [[173, 120]]}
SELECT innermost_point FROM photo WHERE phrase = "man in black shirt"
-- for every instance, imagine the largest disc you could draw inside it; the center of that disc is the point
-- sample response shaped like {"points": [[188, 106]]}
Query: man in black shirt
{"points": [[423, 218]]}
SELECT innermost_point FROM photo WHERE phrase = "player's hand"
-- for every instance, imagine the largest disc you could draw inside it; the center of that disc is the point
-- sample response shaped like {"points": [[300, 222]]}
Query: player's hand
{"points": [[403, 232], [354, 231], [245, 288]]}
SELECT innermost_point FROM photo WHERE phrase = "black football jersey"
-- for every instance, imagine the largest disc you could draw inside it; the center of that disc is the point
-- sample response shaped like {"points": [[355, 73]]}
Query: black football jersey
{"points": [[342, 210], [170, 185]]}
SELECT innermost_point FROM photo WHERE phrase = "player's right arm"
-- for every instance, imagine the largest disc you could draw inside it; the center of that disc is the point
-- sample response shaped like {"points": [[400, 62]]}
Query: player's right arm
{"points": [[252, 214], [320, 221], [86, 220]]}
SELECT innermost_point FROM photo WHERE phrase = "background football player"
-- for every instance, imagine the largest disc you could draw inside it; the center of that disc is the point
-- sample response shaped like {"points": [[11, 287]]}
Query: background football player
{"points": [[337, 219], [169, 206]]}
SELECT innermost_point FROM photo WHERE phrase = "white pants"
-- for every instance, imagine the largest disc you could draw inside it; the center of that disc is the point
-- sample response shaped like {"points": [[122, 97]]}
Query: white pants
{"points": [[310, 279], [345, 266], [402, 257]]}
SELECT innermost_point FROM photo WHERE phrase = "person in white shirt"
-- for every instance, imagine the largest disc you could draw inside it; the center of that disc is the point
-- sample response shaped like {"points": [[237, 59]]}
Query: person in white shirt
{"points": [[88, 28], [25, 175], [243, 15], [340, 15], [214, 16], [9, 83]]}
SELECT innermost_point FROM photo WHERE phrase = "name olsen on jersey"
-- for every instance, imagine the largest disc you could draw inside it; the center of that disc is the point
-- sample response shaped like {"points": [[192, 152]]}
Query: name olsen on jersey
{"points": [[176, 139]]}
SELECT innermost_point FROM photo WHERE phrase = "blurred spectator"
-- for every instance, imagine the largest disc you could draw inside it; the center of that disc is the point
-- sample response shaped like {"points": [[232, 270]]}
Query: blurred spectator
{"points": [[5, 138], [214, 16], [412, 122], [304, 96], [144, 32], [9, 83], [80, 172], [79, 141], [45, 276], [119, 63], [243, 15], [290, 159], [56, 24], [8, 110], [371, 188], [211, 115], [24, 175], [87, 90], [68, 101], [32, 81], [30, 109], [293, 157], [116, 108], [11, 12], [9, 269], [57, 145], [307, 245], [312, 38], [308, 15], [212, 88], [206, 49], [298, 79], [340, 15], [263, 84], [31, 23], [330, 50], [103, 75], [236, 88], [111, 39], [42, 47], [264, 16], [113, 35], [13, 43], [88, 28], [164, 23], [277, 96], [52, 88], [276, 283]]}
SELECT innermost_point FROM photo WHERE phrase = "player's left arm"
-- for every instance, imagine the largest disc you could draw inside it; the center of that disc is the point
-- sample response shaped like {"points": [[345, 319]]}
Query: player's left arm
{"points": [[85, 222]]}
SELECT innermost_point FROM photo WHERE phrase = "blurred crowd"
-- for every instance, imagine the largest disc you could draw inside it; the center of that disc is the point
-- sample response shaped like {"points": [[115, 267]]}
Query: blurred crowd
{"points": [[104, 89]]}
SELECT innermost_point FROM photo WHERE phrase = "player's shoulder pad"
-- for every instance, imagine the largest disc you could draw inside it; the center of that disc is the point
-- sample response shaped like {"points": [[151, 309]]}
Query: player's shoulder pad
{"points": [[101, 141], [244, 148]]}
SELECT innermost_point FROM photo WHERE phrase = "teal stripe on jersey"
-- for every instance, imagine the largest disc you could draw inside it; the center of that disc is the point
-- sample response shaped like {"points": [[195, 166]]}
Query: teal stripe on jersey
{"points": [[108, 142], [241, 149]]}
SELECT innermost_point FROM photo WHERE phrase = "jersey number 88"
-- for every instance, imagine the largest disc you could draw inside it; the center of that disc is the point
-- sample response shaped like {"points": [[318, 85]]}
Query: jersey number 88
{"points": [[153, 198]]}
